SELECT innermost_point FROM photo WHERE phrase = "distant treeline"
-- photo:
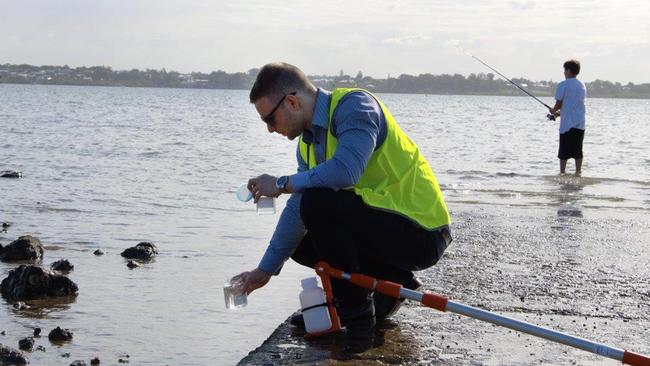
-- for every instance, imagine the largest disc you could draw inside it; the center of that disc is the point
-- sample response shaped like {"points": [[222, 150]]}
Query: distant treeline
{"points": [[478, 84]]}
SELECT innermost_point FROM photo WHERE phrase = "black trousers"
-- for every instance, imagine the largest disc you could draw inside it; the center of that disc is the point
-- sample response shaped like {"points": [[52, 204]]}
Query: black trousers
{"points": [[354, 237]]}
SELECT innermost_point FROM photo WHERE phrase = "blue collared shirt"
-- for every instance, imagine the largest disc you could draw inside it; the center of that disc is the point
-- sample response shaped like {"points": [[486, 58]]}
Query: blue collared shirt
{"points": [[572, 92], [360, 128]]}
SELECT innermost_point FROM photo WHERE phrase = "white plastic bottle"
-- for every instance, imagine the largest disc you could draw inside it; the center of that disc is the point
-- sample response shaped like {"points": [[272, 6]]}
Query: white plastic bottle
{"points": [[317, 319]]}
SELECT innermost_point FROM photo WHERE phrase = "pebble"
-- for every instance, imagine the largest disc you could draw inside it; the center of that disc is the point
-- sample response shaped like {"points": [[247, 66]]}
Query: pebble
{"points": [[132, 264], [26, 344], [21, 306], [98, 252]]}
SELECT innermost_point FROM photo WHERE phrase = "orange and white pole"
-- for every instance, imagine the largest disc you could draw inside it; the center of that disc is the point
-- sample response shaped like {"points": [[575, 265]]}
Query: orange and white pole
{"points": [[442, 303]]}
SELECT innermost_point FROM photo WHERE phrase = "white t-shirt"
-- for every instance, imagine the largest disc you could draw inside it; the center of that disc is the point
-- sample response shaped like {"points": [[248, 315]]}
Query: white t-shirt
{"points": [[572, 93]]}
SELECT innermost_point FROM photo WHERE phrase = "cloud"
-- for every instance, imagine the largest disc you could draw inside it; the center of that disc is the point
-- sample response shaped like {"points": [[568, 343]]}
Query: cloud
{"points": [[522, 5], [407, 40]]}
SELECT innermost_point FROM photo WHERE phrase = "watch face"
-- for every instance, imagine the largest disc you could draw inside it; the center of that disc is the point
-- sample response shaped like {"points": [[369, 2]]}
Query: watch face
{"points": [[281, 182]]}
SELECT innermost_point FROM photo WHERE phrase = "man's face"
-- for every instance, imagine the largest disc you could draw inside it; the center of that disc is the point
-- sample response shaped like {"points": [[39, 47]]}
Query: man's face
{"points": [[281, 115]]}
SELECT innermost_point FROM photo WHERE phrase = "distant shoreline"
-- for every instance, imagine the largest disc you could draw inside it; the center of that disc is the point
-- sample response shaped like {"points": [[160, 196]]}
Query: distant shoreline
{"points": [[543, 95], [444, 84]]}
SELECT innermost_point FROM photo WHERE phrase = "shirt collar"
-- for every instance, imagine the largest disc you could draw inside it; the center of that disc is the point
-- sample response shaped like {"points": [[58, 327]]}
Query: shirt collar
{"points": [[321, 108], [320, 116]]}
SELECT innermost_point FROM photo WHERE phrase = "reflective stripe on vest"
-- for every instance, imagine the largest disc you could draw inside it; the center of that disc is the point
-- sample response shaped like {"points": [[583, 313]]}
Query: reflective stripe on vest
{"points": [[397, 178]]}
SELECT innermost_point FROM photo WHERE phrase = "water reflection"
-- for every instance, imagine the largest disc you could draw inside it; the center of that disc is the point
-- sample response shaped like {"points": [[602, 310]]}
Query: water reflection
{"points": [[568, 201], [42, 308], [385, 339]]}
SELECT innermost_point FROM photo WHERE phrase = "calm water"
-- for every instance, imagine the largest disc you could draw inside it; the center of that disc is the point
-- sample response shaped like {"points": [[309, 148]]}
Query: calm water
{"points": [[109, 167]]}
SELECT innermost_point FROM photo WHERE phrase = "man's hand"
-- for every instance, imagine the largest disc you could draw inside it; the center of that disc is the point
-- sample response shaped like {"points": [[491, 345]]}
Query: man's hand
{"points": [[253, 280], [264, 185]]}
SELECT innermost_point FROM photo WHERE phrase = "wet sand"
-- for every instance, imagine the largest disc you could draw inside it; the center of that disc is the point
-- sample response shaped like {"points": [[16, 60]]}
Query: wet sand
{"points": [[584, 272]]}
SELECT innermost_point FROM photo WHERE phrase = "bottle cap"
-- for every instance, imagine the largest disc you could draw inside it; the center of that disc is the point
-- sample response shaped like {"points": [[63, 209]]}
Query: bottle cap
{"points": [[309, 282], [243, 194]]}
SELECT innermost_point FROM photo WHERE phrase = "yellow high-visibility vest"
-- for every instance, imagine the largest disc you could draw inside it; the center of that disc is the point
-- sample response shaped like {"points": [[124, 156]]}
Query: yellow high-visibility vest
{"points": [[397, 178]]}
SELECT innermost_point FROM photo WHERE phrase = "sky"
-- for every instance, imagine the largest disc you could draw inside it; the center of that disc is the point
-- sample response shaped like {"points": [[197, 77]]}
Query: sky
{"points": [[520, 38]]}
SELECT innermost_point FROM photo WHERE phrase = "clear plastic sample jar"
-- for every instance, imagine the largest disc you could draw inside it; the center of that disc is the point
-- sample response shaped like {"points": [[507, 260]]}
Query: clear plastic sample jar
{"points": [[234, 294], [264, 206]]}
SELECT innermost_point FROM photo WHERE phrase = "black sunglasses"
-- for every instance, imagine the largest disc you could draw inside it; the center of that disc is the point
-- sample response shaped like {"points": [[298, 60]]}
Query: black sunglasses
{"points": [[269, 119]]}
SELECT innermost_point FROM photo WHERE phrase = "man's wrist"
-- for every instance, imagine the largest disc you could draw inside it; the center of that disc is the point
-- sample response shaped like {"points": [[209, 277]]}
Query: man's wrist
{"points": [[282, 183]]}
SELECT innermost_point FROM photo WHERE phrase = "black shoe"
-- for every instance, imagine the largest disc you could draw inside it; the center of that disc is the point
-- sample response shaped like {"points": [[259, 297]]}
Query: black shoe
{"points": [[357, 318], [386, 306], [297, 320]]}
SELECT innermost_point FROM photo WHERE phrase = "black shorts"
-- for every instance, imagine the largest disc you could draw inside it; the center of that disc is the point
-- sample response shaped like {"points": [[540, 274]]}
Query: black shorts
{"points": [[571, 144]]}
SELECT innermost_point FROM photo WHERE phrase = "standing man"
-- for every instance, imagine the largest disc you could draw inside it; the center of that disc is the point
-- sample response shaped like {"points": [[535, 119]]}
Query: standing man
{"points": [[570, 101], [364, 199]]}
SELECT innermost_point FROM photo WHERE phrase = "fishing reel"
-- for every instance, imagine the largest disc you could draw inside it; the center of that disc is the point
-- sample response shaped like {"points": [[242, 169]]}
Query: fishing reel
{"points": [[551, 117]]}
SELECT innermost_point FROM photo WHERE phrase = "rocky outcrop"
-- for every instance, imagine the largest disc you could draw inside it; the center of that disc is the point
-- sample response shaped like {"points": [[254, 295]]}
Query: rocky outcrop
{"points": [[62, 265], [144, 251], [59, 334], [26, 344], [33, 282], [25, 248], [10, 356], [11, 174]]}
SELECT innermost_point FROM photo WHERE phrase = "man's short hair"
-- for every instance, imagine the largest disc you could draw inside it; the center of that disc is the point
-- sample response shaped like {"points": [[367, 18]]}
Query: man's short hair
{"points": [[278, 79], [573, 66]]}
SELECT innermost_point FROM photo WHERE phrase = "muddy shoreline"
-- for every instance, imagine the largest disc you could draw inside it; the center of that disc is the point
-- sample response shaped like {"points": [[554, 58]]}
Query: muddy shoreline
{"points": [[577, 271]]}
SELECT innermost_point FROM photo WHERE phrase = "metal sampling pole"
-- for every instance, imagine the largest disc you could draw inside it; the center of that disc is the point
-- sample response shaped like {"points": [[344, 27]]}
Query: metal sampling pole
{"points": [[442, 303]]}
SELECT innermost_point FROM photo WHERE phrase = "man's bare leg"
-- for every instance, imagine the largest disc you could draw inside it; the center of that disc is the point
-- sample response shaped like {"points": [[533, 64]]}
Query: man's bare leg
{"points": [[578, 167], [562, 166]]}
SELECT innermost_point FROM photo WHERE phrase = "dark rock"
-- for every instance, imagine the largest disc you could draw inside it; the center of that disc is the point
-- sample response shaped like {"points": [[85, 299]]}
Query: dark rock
{"points": [[11, 174], [2, 333], [60, 335], [40, 348], [37, 332], [5, 225], [21, 306], [10, 356], [78, 363], [132, 264], [32, 282], [62, 265], [66, 355], [94, 361], [25, 248], [143, 251], [26, 344], [98, 252]]}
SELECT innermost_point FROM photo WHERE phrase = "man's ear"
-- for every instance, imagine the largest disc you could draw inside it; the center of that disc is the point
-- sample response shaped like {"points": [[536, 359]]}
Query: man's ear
{"points": [[294, 101]]}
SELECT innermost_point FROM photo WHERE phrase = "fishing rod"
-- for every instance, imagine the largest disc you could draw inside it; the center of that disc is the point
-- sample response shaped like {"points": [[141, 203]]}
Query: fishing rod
{"points": [[549, 116]]}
